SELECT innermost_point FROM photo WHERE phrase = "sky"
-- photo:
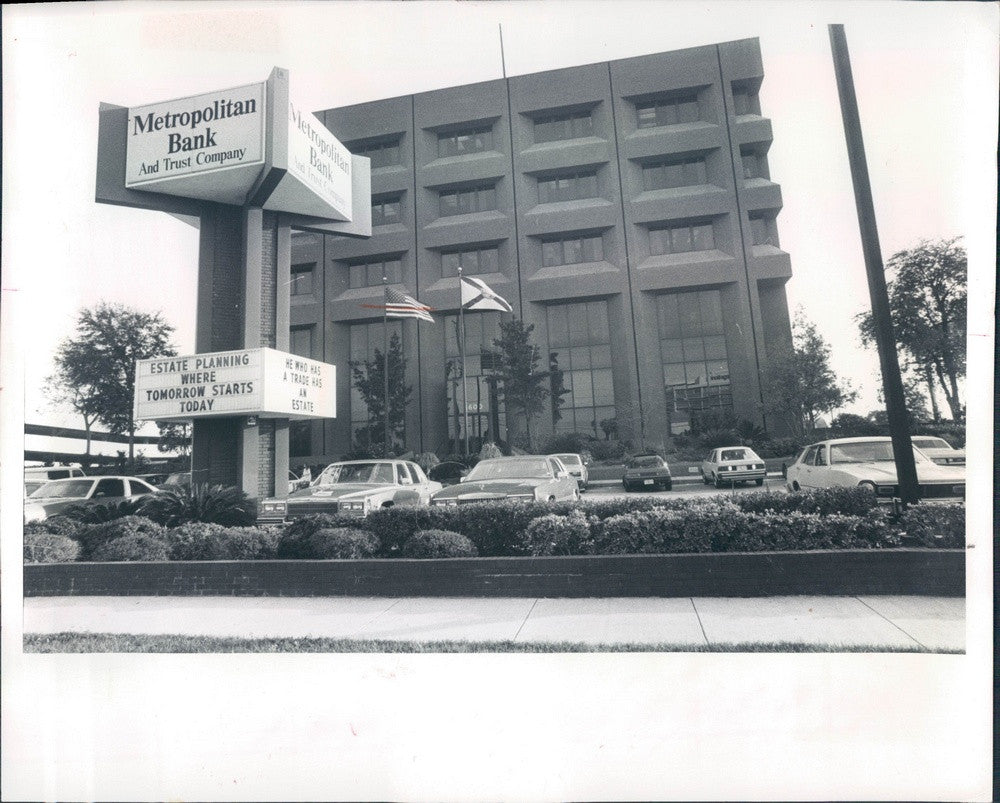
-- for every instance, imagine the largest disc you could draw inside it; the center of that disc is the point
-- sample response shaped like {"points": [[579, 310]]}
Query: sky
{"points": [[926, 77]]}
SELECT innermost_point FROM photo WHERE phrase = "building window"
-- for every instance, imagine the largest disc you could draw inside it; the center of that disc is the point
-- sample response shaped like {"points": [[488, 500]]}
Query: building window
{"points": [[678, 108], [369, 274], [580, 347], [754, 163], [466, 201], [674, 173], [302, 279], [745, 100], [568, 187], [384, 153], [693, 354], [299, 438], [481, 329], [574, 125], [365, 340], [301, 341], [479, 260], [386, 210], [572, 250], [469, 140], [763, 230], [681, 238]]}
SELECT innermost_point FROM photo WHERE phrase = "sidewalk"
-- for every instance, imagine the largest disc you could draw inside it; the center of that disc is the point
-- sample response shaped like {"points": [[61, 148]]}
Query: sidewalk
{"points": [[934, 623]]}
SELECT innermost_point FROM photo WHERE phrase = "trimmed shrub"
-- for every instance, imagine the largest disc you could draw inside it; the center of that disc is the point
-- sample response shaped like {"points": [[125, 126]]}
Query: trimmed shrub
{"points": [[132, 547], [54, 525], [394, 526], [293, 542], [823, 501], [345, 543], [105, 511], [214, 504], [207, 541], [935, 525], [439, 544], [41, 547], [560, 535], [96, 535], [607, 450]]}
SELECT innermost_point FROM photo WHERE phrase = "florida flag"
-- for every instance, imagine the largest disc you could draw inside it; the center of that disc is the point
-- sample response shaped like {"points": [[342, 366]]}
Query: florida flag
{"points": [[476, 294]]}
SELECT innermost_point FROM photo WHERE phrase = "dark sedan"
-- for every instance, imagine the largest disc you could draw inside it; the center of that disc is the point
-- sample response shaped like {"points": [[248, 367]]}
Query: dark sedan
{"points": [[647, 471], [525, 479]]}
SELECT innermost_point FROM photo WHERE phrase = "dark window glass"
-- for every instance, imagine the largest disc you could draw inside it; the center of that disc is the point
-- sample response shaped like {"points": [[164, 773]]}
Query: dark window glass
{"points": [[299, 438], [679, 108], [472, 140], [745, 101], [467, 201], [580, 347], [481, 329], [564, 126], [369, 274], [572, 250], [569, 187], [302, 279], [472, 261], [678, 173], [365, 340], [762, 230], [382, 154], [109, 488], [681, 238], [301, 341], [753, 163], [386, 210]]}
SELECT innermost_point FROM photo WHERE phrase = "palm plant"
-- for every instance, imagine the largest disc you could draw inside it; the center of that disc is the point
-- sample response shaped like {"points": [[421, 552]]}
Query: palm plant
{"points": [[215, 504]]}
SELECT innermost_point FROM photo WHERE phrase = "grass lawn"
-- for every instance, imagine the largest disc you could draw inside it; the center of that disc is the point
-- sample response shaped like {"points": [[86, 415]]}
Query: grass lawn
{"points": [[113, 642]]}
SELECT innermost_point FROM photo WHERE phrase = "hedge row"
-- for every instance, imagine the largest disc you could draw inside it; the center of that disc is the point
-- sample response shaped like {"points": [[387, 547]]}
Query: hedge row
{"points": [[834, 519]]}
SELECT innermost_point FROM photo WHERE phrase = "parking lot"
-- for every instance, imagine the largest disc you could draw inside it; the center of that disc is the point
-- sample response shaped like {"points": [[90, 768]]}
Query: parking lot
{"points": [[683, 488]]}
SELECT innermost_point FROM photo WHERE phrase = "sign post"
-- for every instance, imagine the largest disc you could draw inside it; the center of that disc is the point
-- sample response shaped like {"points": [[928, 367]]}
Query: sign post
{"points": [[246, 165]]}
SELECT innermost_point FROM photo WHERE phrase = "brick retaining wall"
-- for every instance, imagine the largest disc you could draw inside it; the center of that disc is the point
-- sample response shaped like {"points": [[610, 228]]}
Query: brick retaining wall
{"points": [[897, 571]]}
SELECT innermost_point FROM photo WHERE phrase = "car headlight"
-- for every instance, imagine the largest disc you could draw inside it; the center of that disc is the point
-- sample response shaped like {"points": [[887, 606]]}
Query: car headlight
{"points": [[273, 506], [444, 502], [353, 505], [521, 497]]}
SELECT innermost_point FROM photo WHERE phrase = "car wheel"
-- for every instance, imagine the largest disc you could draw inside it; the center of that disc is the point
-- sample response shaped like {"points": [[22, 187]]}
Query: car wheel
{"points": [[759, 482], [576, 495], [669, 485], [625, 485], [705, 479], [718, 481]]}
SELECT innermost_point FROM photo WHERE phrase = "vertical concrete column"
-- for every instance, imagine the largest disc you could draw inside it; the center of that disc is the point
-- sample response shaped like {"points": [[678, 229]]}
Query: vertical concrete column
{"points": [[243, 275]]}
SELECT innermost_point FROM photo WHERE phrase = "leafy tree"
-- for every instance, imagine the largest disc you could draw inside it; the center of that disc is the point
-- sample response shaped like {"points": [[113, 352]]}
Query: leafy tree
{"points": [[802, 385], [523, 385], [175, 436], [913, 395], [96, 366], [557, 387], [927, 300], [60, 391], [368, 378]]}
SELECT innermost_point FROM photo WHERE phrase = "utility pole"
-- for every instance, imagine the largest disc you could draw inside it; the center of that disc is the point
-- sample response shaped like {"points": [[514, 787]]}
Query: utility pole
{"points": [[892, 383]]}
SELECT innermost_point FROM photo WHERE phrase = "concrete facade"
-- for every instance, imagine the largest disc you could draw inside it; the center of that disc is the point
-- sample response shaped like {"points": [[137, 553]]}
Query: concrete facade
{"points": [[625, 209]]}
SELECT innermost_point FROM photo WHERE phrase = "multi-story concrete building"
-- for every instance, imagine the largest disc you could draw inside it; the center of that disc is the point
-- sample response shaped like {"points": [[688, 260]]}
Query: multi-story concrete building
{"points": [[625, 209]]}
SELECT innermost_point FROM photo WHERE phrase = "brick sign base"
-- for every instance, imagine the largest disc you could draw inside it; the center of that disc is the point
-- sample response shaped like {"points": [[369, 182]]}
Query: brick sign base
{"points": [[897, 571]]}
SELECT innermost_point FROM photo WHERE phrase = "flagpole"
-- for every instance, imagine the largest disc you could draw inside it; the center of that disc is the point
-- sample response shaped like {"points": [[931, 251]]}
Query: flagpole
{"points": [[465, 405], [385, 358]]}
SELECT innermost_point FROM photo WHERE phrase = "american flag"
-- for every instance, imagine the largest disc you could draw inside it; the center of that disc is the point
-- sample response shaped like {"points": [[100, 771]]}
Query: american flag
{"points": [[400, 305]]}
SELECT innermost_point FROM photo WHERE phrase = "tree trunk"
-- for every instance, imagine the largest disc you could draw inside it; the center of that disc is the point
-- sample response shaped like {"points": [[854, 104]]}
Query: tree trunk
{"points": [[950, 391], [929, 379]]}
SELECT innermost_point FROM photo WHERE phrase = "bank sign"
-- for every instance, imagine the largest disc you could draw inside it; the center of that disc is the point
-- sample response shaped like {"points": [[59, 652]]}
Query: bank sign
{"points": [[261, 382], [229, 145]]}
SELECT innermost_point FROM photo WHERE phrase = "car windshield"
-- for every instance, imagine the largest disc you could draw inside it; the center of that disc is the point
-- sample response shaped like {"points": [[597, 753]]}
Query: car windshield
{"points": [[645, 462], [734, 454], [930, 443], [867, 452], [569, 459], [528, 468], [340, 473], [63, 489]]}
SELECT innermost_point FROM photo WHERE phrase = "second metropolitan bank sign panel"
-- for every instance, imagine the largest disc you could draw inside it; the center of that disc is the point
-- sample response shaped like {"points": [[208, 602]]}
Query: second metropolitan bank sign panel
{"points": [[261, 382]]}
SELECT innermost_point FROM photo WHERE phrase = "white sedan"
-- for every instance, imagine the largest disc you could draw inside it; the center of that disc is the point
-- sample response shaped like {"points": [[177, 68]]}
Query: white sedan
{"points": [[729, 465], [868, 462], [939, 450]]}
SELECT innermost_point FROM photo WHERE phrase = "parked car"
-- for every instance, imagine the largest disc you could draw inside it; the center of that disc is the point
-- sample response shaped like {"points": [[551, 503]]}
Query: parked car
{"points": [[55, 496], [577, 468], [939, 450], [36, 476], [448, 473], [647, 471], [729, 465], [526, 478], [353, 488], [295, 481], [868, 462]]}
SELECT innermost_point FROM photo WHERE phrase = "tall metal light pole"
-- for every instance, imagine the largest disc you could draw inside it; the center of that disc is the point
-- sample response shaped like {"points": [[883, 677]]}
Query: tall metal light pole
{"points": [[892, 382]]}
